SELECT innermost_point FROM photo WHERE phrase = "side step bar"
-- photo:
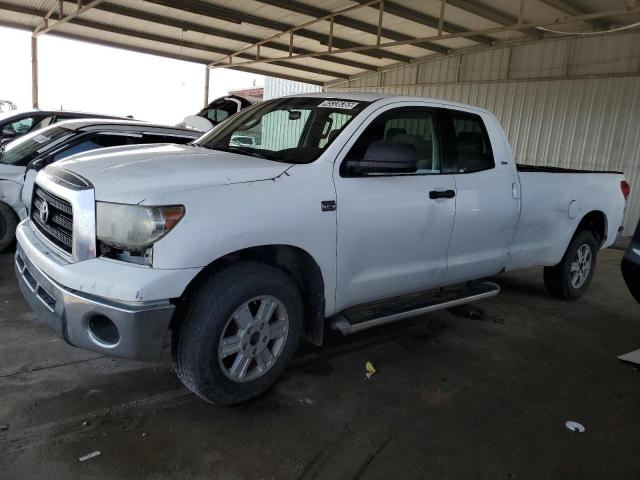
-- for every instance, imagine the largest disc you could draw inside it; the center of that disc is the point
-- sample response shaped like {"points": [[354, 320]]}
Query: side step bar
{"points": [[431, 303]]}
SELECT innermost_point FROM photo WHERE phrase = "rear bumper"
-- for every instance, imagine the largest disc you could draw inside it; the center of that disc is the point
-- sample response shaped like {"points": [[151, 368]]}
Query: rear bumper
{"points": [[79, 318]]}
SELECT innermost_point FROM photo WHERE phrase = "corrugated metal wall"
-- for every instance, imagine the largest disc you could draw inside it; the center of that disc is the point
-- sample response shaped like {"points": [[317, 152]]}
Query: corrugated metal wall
{"points": [[572, 102], [278, 87]]}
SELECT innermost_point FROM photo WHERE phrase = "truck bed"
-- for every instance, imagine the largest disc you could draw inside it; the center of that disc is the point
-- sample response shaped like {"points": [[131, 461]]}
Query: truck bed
{"points": [[538, 168]]}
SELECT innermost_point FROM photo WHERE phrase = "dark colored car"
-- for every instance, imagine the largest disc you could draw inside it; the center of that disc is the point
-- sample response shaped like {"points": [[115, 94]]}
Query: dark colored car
{"points": [[14, 124], [631, 266]]}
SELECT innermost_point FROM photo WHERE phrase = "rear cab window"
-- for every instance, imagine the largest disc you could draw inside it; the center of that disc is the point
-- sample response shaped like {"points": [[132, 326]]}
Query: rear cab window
{"points": [[469, 145]]}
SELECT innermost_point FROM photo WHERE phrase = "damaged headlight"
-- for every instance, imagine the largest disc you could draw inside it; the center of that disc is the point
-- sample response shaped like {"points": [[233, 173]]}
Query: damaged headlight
{"points": [[134, 227]]}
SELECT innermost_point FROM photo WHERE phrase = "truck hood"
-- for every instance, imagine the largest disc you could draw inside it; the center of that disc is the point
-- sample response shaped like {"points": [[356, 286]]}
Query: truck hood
{"points": [[131, 174]]}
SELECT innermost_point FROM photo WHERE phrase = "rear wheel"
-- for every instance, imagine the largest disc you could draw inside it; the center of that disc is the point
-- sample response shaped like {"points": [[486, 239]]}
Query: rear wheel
{"points": [[240, 330], [8, 224], [571, 277]]}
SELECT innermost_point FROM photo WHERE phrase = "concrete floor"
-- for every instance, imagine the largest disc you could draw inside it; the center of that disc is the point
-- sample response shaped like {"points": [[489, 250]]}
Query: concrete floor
{"points": [[453, 398]]}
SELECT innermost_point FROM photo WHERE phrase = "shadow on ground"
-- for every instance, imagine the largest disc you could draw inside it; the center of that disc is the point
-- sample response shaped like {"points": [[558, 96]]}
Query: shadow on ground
{"points": [[453, 398]]}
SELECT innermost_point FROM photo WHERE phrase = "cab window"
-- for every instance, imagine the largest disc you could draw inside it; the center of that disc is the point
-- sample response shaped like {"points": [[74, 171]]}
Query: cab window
{"points": [[472, 148], [333, 126], [21, 126], [292, 130], [413, 126]]}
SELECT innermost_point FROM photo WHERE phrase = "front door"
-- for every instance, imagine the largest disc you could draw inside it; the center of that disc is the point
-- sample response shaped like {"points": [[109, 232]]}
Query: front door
{"points": [[392, 237]]}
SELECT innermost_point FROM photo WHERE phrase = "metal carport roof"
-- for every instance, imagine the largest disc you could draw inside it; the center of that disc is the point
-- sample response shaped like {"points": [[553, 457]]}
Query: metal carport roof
{"points": [[313, 42]]}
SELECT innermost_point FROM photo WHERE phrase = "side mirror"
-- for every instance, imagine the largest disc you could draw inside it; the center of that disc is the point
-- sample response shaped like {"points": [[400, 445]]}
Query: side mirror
{"points": [[39, 164], [385, 156]]}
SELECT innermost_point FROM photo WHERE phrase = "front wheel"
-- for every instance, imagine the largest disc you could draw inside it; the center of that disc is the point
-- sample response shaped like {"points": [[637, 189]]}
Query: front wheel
{"points": [[571, 277], [240, 330]]}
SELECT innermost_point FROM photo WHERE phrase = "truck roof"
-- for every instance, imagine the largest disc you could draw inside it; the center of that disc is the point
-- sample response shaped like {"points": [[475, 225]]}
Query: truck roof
{"points": [[374, 97]]}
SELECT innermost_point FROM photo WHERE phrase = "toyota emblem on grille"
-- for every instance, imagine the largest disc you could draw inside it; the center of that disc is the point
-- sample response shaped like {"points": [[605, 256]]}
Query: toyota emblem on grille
{"points": [[44, 212]]}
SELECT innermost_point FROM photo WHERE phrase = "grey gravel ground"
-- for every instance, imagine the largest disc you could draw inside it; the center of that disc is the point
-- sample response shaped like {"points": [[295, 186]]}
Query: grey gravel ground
{"points": [[453, 398]]}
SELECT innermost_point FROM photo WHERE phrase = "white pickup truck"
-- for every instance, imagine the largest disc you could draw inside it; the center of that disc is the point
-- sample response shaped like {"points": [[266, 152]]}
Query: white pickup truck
{"points": [[350, 210]]}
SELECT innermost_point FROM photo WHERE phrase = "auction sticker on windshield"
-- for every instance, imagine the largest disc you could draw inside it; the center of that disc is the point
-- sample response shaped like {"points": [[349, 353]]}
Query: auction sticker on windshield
{"points": [[338, 104], [41, 138]]}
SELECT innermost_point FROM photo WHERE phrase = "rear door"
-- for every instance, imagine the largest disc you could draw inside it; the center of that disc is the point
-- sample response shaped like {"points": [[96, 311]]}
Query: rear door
{"points": [[486, 203], [392, 237]]}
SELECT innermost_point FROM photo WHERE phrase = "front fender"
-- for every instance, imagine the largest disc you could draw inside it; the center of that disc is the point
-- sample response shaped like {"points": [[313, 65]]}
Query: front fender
{"points": [[283, 211], [10, 194]]}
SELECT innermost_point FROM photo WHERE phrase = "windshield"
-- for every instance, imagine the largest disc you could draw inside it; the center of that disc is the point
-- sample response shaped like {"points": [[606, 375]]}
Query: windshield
{"points": [[26, 148], [291, 130]]}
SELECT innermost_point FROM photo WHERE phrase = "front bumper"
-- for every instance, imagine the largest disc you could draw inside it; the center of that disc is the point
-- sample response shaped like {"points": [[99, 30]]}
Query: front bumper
{"points": [[79, 318]]}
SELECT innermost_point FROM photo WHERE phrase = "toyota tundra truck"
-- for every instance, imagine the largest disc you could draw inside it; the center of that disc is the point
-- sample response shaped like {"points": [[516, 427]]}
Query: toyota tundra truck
{"points": [[349, 211]]}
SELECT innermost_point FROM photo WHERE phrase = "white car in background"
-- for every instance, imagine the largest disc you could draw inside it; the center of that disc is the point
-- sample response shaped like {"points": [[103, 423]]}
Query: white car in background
{"points": [[217, 111], [6, 106]]}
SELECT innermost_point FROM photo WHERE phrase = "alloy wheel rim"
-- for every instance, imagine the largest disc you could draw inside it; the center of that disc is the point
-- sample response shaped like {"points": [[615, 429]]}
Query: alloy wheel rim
{"points": [[253, 338], [581, 266]]}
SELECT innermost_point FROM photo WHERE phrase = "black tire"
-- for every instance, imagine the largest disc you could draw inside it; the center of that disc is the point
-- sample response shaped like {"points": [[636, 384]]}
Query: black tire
{"points": [[558, 279], [207, 316], [8, 224]]}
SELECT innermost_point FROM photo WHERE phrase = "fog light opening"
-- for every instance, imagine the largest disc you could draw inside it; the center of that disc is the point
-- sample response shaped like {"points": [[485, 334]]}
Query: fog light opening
{"points": [[104, 331]]}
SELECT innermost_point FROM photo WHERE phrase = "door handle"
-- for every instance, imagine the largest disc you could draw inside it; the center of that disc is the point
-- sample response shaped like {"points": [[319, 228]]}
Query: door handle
{"points": [[434, 194]]}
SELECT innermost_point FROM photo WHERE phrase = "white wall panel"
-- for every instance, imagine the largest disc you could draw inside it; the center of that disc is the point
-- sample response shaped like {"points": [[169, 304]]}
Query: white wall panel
{"points": [[550, 118], [278, 87]]}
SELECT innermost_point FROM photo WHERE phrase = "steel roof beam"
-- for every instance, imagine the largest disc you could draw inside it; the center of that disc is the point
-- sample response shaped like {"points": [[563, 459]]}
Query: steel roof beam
{"points": [[214, 11], [311, 11], [490, 13], [299, 27], [196, 46], [62, 19], [215, 32], [166, 40], [172, 56], [407, 13], [567, 6], [555, 21]]}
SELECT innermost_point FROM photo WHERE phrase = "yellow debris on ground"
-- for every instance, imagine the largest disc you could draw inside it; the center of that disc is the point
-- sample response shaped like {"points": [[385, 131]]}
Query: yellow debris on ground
{"points": [[371, 370]]}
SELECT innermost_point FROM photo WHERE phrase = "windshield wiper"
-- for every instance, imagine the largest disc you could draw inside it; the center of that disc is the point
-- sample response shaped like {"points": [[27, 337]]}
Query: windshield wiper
{"points": [[241, 151], [252, 153]]}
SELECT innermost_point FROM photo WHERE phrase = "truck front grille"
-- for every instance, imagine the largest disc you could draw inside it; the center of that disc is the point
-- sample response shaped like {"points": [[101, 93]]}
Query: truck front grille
{"points": [[53, 217]]}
